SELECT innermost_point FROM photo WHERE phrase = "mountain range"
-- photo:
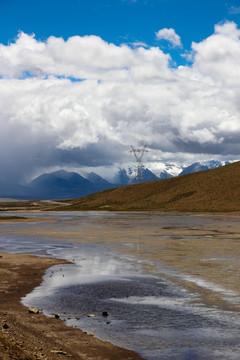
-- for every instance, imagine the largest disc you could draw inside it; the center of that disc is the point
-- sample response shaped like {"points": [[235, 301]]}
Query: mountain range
{"points": [[212, 190], [69, 185]]}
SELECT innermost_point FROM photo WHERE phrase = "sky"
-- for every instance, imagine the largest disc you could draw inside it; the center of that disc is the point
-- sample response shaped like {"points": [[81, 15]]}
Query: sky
{"points": [[81, 81]]}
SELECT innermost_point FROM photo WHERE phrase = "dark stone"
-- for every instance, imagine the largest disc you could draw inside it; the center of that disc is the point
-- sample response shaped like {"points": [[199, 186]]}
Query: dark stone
{"points": [[105, 313]]}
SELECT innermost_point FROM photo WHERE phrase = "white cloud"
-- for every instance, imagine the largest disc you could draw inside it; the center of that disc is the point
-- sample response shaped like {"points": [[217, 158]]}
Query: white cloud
{"points": [[169, 35], [87, 57], [139, 44], [218, 56], [47, 120]]}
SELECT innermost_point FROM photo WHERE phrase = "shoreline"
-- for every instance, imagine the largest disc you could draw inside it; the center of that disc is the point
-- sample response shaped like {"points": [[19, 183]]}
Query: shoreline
{"points": [[35, 336], [214, 257], [204, 252]]}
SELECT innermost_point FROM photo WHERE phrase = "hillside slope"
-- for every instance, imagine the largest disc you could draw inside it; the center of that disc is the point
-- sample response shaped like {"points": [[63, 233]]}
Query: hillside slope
{"points": [[211, 190]]}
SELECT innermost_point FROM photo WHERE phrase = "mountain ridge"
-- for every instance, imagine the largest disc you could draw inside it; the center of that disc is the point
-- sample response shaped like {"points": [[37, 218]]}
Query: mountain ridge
{"points": [[64, 184], [69, 185], [211, 190]]}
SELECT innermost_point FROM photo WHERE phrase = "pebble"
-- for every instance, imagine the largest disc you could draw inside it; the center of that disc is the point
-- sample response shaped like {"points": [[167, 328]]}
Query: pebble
{"points": [[105, 313], [33, 310], [60, 352]]}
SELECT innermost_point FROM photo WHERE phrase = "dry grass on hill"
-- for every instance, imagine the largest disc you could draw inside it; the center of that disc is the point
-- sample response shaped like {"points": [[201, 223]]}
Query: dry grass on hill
{"points": [[212, 190]]}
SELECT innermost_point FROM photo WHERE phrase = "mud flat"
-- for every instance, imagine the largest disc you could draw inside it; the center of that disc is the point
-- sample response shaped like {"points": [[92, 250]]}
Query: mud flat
{"points": [[34, 336]]}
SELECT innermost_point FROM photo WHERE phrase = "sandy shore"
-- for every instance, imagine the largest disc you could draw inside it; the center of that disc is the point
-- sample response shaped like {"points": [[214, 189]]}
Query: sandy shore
{"points": [[34, 336]]}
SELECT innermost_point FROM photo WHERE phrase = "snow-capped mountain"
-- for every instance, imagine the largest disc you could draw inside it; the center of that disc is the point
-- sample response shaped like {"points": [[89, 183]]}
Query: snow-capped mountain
{"points": [[63, 184], [165, 170], [124, 176], [201, 166], [152, 171], [162, 171], [128, 176]]}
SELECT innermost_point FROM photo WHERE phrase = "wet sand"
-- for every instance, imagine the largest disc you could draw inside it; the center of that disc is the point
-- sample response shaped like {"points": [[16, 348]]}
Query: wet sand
{"points": [[34, 336]]}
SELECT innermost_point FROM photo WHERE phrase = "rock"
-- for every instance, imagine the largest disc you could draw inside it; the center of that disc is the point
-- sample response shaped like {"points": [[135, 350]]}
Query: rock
{"points": [[108, 322], [60, 352], [33, 310], [91, 315], [5, 326], [105, 313]]}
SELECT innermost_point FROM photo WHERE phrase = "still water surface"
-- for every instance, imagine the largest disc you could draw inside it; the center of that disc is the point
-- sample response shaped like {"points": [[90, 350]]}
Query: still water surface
{"points": [[149, 312]]}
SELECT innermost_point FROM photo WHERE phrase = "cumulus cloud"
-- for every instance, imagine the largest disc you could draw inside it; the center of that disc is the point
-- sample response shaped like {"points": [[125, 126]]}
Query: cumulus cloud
{"points": [[123, 96], [87, 57], [218, 56], [170, 36]]}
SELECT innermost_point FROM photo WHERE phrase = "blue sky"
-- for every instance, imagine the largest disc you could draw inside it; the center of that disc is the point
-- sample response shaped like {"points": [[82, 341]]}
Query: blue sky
{"points": [[160, 73], [116, 21]]}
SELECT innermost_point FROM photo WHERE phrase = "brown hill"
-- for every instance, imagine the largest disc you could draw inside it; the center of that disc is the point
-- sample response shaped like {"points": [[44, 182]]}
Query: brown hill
{"points": [[211, 190]]}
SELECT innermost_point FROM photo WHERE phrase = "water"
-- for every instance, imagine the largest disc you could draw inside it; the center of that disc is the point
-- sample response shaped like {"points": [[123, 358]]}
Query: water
{"points": [[148, 311]]}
